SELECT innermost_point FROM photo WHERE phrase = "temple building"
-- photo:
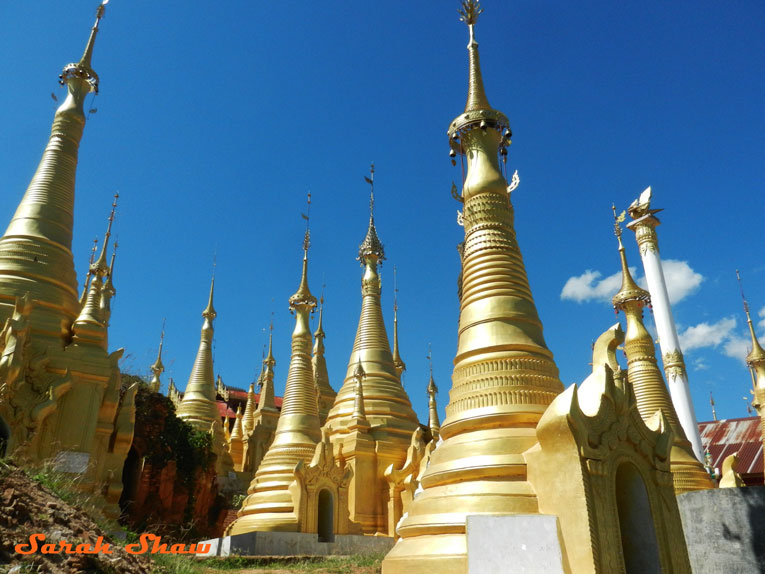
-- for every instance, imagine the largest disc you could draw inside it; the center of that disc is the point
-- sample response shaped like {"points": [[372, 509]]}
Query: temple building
{"points": [[61, 395]]}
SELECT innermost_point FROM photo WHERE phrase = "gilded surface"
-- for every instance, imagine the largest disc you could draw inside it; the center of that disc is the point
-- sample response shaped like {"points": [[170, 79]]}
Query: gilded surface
{"points": [[504, 375], [199, 406], [60, 389], [325, 393], [593, 436], [380, 438], [648, 384], [274, 501]]}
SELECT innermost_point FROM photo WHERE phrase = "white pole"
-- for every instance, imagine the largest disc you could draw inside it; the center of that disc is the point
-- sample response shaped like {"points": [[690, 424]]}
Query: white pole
{"points": [[644, 225]]}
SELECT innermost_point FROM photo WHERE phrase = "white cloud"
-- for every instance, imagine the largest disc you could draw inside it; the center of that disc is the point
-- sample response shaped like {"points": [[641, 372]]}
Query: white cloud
{"points": [[680, 279], [761, 322], [699, 364], [737, 347], [707, 334], [589, 287]]}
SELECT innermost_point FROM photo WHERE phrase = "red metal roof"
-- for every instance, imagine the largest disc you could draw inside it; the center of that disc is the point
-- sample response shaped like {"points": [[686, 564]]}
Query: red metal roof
{"points": [[725, 437], [225, 410]]}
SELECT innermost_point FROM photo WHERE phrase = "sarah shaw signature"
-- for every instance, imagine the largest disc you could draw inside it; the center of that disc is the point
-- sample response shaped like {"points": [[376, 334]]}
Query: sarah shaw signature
{"points": [[141, 547]]}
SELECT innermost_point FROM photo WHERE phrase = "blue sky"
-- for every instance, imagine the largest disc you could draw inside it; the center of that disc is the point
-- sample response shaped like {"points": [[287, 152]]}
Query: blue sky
{"points": [[214, 120]]}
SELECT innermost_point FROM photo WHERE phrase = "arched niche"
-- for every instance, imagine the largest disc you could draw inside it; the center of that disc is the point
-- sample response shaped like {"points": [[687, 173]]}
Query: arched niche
{"points": [[326, 516], [636, 524]]}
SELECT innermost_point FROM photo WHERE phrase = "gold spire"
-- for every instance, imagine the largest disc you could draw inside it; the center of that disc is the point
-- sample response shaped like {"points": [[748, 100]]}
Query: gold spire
{"points": [[433, 423], [644, 375], [504, 375], [89, 273], [270, 505], [266, 399], [387, 405], [91, 324], [397, 360], [249, 411], [198, 406], [712, 404], [477, 99], [158, 367], [35, 251], [756, 358], [325, 394], [371, 247], [629, 290], [83, 68]]}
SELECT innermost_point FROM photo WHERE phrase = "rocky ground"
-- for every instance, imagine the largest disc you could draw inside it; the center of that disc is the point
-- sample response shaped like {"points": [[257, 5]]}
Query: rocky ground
{"points": [[27, 508]]}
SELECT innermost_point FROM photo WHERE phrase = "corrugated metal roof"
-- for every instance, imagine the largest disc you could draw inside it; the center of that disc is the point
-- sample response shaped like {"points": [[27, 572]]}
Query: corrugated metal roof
{"points": [[728, 436]]}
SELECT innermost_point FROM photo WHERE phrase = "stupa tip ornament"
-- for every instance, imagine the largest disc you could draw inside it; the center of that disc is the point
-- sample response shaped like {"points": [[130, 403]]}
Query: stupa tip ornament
{"points": [[371, 247], [209, 312], [629, 290], [756, 357], [478, 111], [303, 296], [83, 69]]}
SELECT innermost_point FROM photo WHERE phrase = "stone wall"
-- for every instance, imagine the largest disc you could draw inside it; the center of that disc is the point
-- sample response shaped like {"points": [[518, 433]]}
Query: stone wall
{"points": [[725, 529]]}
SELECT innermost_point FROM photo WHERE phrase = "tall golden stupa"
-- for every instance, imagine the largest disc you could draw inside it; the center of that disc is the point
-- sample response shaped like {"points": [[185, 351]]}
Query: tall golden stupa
{"points": [[391, 420], [513, 443], [504, 375], [271, 505], [60, 388]]}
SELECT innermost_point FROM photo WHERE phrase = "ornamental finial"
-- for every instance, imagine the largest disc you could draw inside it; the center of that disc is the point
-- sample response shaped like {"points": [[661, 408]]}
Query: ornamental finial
{"points": [[470, 11], [303, 295], [83, 69], [477, 99], [209, 312], [757, 355], [371, 246], [617, 228], [100, 266], [629, 290]]}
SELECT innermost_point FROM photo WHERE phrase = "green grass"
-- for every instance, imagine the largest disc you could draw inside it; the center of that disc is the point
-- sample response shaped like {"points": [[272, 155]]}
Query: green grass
{"points": [[173, 564]]}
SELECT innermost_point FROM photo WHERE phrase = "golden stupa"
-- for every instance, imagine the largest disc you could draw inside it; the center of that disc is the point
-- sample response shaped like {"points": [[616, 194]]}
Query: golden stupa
{"points": [[60, 388], [390, 421], [648, 383], [510, 433], [271, 505]]}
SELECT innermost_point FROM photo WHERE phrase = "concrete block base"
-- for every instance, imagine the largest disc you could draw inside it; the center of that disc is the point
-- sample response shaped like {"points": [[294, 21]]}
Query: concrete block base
{"points": [[295, 544], [520, 543]]}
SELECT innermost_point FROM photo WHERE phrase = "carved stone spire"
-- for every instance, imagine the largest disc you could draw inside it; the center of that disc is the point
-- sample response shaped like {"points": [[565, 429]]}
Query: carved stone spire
{"points": [[38, 241]]}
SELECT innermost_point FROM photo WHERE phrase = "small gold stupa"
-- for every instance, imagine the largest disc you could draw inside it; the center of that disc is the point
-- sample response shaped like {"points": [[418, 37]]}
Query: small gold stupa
{"points": [[271, 504]]}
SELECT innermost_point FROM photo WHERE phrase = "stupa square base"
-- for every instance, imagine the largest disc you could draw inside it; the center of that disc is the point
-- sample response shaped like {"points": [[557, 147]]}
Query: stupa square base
{"points": [[296, 543]]}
